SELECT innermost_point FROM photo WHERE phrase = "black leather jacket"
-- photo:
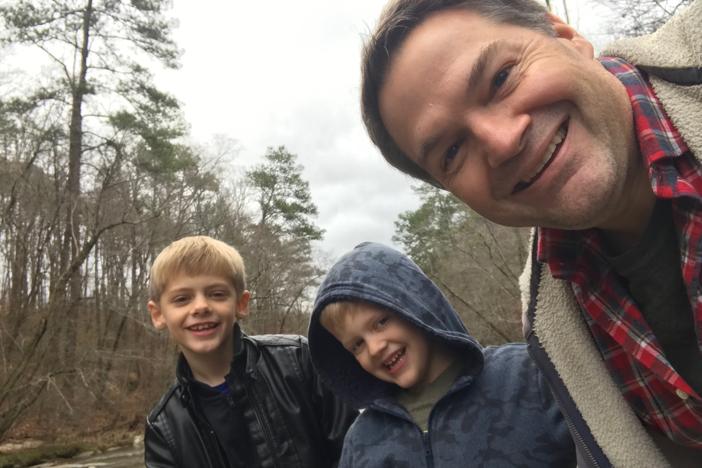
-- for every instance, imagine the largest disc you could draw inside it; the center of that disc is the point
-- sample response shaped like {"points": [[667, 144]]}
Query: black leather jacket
{"points": [[293, 421]]}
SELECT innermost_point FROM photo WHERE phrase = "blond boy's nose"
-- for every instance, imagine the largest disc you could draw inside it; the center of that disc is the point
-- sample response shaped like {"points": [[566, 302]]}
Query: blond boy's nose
{"points": [[200, 304]]}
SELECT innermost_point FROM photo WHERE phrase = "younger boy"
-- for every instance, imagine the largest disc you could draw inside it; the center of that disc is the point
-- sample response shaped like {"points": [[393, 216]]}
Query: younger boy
{"points": [[385, 338], [239, 401]]}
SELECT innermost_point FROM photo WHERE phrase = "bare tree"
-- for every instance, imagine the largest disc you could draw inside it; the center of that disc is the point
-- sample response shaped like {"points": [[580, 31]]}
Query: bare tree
{"points": [[475, 262], [637, 17]]}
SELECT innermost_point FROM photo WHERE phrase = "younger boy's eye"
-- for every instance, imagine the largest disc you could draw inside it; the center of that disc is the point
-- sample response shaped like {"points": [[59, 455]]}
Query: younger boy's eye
{"points": [[356, 346], [382, 322]]}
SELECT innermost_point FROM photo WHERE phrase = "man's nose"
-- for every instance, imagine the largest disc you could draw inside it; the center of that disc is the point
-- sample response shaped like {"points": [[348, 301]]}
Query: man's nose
{"points": [[500, 135]]}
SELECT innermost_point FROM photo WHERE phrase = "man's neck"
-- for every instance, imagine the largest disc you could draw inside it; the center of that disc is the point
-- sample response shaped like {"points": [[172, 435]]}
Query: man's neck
{"points": [[625, 228]]}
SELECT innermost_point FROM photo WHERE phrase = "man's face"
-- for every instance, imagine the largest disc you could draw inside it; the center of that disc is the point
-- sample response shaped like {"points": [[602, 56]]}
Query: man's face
{"points": [[526, 129], [390, 348]]}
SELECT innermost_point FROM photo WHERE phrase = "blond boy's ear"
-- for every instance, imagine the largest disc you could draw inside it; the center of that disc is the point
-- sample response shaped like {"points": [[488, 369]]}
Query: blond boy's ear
{"points": [[156, 316], [568, 32], [242, 305]]}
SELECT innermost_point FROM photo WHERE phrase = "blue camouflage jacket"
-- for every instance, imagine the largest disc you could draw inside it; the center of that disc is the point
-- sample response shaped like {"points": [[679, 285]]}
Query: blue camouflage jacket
{"points": [[499, 411]]}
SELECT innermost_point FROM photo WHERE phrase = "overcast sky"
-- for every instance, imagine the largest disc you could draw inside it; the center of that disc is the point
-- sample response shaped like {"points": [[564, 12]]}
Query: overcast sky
{"points": [[281, 72]]}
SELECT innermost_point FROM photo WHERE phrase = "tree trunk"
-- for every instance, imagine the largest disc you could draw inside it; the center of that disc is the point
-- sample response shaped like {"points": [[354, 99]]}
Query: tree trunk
{"points": [[71, 239]]}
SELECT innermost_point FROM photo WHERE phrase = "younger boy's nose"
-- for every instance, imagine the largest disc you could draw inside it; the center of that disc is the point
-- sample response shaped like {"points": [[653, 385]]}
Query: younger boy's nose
{"points": [[376, 346]]}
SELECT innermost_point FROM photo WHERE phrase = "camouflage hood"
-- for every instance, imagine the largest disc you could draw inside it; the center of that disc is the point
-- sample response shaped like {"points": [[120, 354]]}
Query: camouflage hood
{"points": [[375, 273]]}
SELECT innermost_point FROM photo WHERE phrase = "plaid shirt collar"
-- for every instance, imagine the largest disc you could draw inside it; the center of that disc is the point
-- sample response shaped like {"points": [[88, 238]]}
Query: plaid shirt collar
{"points": [[629, 348], [658, 140]]}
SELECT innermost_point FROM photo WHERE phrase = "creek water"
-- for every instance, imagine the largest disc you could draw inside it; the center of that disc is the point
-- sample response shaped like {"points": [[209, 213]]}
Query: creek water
{"points": [[125, 457]]}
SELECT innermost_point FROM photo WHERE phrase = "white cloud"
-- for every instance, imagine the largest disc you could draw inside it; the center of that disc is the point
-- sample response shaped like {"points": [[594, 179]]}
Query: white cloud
{"points": [[287, 73]]}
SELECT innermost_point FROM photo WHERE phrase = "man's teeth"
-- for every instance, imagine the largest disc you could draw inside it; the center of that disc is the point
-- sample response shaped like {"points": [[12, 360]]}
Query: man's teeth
{"points": [[392, 361], [557, 140], [202, 326]]}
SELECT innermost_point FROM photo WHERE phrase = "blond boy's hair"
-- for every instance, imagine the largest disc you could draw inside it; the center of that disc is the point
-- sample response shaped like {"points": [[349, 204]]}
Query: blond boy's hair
{"points": [[196, 255]]}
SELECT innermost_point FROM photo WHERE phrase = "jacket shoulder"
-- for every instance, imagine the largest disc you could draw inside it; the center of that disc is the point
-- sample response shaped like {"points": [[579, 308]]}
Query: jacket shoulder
{"points": [[170, 395], [510, 370], [296, 341], [287, 353]]}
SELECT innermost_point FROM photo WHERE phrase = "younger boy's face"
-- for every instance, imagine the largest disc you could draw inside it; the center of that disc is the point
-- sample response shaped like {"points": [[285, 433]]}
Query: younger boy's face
{"points": [[200, 312], [388, 347]]}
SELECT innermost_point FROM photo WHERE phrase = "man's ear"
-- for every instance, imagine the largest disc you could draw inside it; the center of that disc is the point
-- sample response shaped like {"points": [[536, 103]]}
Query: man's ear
{"points": [[157, 317], [242, 305], [565, 31]]}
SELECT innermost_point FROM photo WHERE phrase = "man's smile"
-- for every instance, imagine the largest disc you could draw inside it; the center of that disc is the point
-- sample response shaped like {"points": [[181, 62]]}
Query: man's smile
{"points": [[548, 156]]}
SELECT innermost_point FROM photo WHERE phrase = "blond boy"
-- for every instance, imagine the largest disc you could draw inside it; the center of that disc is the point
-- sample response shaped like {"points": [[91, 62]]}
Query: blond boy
{"points": [[238, 401]]}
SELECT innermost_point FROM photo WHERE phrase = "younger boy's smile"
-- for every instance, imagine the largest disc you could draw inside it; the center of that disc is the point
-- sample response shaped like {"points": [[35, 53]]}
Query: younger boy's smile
{"points": [[396, 361]]}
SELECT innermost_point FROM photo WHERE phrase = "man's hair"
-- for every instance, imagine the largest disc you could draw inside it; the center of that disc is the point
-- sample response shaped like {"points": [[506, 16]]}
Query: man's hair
{"points": [[396, 22], [197, 255]]}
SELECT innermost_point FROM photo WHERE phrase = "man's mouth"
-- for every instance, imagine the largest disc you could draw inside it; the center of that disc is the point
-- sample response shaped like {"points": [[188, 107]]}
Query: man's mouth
{"points": [[391, 363], [546, 160]]}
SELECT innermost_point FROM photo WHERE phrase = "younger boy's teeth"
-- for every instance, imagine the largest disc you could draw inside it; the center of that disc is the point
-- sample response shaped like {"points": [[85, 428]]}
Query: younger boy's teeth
{"points": [[393, 360]]}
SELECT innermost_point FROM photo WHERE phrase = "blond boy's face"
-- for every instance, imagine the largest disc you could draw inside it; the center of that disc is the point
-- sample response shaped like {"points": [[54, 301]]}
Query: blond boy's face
{"points": [[199, 312], [387, 346]]}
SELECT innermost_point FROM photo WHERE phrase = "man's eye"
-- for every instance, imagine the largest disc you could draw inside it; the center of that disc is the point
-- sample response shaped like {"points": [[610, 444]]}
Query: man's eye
{"points": [[501, 77], [450, 155], [382, 322]]}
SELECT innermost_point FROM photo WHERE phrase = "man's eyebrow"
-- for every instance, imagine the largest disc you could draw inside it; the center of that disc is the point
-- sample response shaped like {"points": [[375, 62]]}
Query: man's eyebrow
{"points": [[475, 74], [486, 54], [427, 148]]}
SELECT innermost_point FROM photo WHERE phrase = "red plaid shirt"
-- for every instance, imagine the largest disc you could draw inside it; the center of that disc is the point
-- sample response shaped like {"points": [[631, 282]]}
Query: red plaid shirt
{"points": [[658, 394]]}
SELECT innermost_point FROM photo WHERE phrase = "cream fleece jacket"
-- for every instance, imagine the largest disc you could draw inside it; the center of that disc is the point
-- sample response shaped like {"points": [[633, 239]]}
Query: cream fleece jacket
{"points": [[558, 322]]}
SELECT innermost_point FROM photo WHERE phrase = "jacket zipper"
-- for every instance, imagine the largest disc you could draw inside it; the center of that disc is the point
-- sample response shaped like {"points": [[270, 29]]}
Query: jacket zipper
{"points": [[427, 448], [205, 430], [264, 425], [538, 356]]}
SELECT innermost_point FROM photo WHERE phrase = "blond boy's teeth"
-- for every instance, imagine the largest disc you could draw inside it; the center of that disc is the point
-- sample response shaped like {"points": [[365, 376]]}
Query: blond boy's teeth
{"points": [[202, 326]]}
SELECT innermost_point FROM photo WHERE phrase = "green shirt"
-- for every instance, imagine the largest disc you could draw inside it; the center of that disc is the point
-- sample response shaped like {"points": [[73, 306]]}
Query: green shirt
{"points": [[420, 399]]}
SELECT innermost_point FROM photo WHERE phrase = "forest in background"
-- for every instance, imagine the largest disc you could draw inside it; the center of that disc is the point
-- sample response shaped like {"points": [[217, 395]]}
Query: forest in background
{"points": [[96, 178]]}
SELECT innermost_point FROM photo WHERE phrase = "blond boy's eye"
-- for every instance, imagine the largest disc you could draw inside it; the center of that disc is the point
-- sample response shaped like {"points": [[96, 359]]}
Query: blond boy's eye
{"points": [[179, 299]]}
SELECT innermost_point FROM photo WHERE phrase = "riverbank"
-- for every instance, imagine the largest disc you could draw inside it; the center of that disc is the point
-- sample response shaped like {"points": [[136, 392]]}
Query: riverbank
{"points": [[31, 452]]}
